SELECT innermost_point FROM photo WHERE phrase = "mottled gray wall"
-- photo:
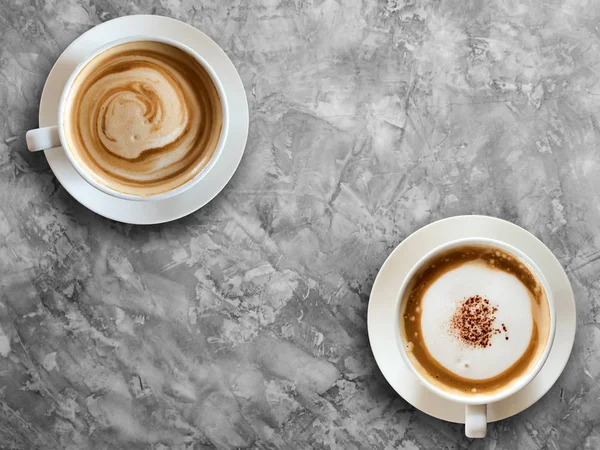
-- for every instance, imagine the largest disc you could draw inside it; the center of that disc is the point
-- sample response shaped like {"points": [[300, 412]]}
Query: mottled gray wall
{"points": [[244, 324]]}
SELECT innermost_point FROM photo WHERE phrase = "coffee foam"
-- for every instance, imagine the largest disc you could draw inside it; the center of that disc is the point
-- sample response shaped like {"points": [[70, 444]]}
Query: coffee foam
{"points": [[505, 292], [143, 117], [517, 309]]}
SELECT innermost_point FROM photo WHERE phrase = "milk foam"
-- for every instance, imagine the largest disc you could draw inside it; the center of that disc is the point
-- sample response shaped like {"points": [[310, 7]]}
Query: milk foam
{"points": [[505, 291], [124, 125]]}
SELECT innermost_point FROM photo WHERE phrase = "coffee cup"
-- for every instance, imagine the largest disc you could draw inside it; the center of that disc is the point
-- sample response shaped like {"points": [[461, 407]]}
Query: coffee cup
{"points": [[147, 165], [475, 324]]}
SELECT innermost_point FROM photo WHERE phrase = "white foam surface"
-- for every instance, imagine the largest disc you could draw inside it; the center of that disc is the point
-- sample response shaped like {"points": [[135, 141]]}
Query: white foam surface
{"points": [[504, 291]]}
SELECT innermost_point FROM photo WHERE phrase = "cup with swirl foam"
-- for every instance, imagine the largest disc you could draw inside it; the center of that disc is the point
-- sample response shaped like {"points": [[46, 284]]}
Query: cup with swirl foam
{"points": [[142, 118]]}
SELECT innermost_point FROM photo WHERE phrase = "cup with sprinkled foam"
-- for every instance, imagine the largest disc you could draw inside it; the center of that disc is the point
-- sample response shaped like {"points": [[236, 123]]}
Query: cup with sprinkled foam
{"points": [[476, 322]]}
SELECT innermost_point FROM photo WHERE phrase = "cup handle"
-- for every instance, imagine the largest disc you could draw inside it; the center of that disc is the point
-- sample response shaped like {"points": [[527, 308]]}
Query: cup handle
{"points": [[475, 421], [42, 139]]}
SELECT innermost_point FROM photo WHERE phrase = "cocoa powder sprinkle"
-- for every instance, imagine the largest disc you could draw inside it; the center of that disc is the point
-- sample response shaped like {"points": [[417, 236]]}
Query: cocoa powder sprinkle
{"points": [[473, 322]]}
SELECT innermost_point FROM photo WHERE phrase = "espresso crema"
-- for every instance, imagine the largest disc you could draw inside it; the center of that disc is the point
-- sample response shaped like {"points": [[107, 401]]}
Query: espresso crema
{"points": [[143, 118]]}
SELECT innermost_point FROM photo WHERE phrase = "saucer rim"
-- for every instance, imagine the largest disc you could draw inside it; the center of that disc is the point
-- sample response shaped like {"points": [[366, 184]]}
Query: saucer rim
{"points": [[406, 384]]}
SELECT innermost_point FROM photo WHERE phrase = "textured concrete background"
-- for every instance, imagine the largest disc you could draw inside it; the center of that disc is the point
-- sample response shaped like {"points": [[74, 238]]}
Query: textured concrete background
{"points": [[244, 324]]}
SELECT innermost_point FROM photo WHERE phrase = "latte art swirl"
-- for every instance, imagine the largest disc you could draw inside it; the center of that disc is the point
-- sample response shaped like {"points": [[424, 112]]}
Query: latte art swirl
{"points": [[144, 117], [132, 116]]}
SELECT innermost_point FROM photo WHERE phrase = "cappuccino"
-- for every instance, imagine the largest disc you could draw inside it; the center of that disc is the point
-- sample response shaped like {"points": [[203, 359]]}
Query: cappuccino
{"points": [[143, 118], [474, 319]]}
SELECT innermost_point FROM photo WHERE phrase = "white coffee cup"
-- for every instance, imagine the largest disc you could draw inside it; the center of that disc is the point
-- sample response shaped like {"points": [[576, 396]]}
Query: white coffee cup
{"points": [[476, 405], [54, 136]]}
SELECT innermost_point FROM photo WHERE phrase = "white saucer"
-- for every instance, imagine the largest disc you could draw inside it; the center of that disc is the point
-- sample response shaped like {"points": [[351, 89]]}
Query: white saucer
{"points": [[381, 320], [208, 187]]}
